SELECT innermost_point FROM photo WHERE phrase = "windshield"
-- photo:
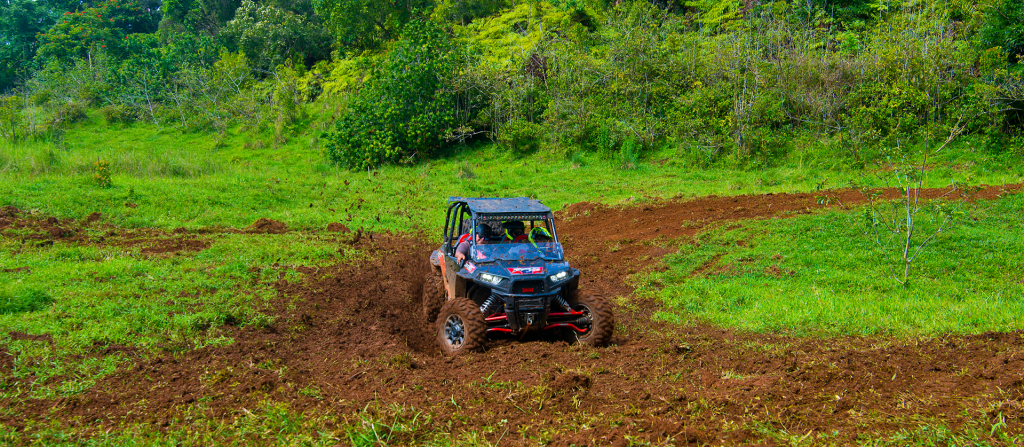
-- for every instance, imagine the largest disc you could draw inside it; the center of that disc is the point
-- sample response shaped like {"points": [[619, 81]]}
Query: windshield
{"points": [[548, 251], [518, 240]]}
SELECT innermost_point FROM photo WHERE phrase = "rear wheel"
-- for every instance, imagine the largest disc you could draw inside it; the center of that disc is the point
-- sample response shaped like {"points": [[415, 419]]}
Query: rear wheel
{"points": [[597, 311], [460, 327], [433, 297]]}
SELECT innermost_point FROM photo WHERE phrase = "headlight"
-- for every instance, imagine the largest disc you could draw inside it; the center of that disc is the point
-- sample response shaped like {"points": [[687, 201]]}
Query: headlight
{"points": [[559, 276], [489, 278]]}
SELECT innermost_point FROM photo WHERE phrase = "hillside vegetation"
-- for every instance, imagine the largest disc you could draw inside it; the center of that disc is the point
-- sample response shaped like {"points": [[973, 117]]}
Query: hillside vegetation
{"points": [[367, 83]]}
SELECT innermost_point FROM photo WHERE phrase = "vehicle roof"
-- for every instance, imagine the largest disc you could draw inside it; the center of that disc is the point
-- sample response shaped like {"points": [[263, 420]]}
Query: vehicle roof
{"points": [[502, 205]]}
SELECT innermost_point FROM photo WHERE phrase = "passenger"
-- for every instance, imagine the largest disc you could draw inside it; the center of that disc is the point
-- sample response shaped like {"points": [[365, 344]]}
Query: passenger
{"points": [[515, 232], [539, 234], [482, 235]]}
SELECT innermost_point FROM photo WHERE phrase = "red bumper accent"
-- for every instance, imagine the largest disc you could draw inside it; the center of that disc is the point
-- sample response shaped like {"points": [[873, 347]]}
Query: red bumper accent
{"points": [[565, 325], [565, 314], [500, 329]]}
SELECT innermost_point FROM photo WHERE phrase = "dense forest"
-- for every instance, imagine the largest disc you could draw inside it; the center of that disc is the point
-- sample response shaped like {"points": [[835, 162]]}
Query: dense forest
{"points": [[395, 81]]}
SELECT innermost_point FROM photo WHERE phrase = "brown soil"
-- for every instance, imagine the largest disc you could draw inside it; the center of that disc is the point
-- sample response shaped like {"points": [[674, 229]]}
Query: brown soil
{"points": [[354, 334], [30, 229]]}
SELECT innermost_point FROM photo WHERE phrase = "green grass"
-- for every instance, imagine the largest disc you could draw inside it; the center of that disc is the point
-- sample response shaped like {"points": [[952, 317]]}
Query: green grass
{"points": [[198, 180], [821, 275]]}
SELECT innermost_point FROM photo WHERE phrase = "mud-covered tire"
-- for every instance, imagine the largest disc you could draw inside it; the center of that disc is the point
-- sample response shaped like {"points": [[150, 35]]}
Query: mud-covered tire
{"points": [[433, 296], [602, 320], [460, 327]]}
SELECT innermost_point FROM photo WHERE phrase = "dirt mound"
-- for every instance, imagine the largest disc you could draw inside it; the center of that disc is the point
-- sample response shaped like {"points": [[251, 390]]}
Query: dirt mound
{"points": [[266, 226], [337, 227], [9, 212]]}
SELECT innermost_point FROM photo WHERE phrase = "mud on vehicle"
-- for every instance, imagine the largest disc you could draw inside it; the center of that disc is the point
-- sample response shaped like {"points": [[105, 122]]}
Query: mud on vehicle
{"points": [[514, 280]]}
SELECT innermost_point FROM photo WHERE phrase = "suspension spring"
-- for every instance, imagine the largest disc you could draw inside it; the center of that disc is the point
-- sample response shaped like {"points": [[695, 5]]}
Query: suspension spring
{"points": [[561, 302], [491, 305]]}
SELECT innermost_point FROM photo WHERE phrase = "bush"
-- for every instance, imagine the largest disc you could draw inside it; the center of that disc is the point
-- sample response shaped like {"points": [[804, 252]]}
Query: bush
{"points": [[521, 136], [114, 114], [406, 106]]}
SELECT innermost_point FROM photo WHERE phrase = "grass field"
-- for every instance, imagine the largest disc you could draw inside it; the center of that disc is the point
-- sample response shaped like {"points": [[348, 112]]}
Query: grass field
{"points": [[821, 275], [814, 275]]}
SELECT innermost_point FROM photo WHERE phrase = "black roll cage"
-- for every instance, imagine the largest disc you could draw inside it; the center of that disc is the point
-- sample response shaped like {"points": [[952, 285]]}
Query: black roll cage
{"points": [[458, 211]]}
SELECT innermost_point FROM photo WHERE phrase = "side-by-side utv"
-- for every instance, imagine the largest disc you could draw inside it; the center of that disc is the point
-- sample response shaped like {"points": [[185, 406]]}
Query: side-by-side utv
{"points": [[511, 277]]}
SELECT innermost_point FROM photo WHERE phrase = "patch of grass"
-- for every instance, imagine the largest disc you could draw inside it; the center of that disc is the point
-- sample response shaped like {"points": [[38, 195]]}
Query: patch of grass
{"points": [[23, 300], [820, 275]]}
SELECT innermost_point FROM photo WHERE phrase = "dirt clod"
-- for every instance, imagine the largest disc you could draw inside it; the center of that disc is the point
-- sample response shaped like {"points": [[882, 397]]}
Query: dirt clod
{"points": [[266, 226], [337, 227]]}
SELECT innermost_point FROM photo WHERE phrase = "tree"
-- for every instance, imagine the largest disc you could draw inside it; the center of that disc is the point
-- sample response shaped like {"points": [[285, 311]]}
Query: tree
{"points": [[406, 106], [269, 36], [198, 16], [367, 24], [104, 27], [1004, 27], [21, 21]]}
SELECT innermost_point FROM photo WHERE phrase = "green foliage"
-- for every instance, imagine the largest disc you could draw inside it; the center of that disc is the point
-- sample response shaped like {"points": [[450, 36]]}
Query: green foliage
{"points": [[198, 16], [367, 24], [465, 11], [101, 174], [80, 35], [21, 21], [269, 36], [1004, 27], [18, 300], [521, 136], [405, 107], [715, 13], [10, 117]]}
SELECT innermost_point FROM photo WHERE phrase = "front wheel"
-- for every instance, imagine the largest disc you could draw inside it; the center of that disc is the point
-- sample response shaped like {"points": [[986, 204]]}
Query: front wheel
{"points": [[598, 312], [461, 327]]}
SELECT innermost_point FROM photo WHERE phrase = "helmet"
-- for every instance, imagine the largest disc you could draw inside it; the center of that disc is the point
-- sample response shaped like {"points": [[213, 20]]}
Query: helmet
{"points": [[483, 230]]}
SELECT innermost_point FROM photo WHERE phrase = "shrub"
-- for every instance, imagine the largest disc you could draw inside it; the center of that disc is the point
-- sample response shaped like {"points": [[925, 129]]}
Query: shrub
{"points": [[101, 174], [405, 108], [521, 136]]}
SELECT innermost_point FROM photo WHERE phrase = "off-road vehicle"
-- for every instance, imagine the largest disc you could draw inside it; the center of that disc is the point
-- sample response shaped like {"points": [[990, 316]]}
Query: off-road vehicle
{"points": [[514, 280]]}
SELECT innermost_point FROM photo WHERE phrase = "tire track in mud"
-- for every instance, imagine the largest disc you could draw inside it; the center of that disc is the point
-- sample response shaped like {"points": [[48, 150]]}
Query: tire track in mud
{"points": [[355, 334]]}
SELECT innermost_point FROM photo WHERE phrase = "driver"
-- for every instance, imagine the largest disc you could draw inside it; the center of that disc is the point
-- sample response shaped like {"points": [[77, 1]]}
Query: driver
{"points": [[482, 234]]}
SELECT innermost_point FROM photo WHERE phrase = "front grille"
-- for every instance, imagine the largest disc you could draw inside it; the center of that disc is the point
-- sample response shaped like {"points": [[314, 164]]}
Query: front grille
{"points": [[530, 304], [528, 287]]}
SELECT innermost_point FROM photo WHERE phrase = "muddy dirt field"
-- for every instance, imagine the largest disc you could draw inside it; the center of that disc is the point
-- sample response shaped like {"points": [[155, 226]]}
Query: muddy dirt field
{"points": [[355, 334]]}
